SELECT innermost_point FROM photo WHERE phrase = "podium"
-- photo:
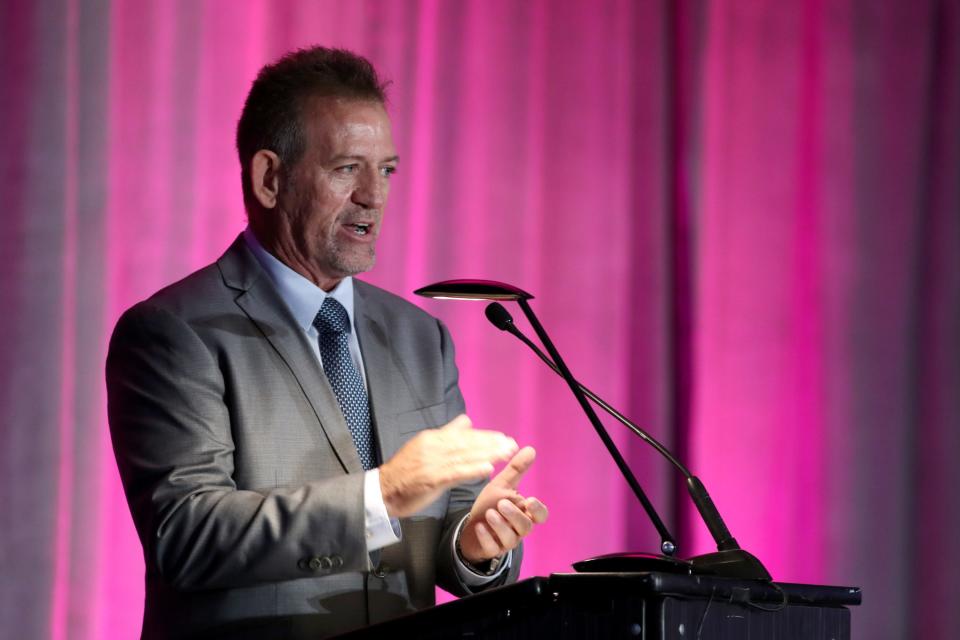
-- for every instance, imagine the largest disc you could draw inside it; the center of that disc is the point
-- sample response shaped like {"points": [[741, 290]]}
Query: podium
{"points": [[647, 606]]}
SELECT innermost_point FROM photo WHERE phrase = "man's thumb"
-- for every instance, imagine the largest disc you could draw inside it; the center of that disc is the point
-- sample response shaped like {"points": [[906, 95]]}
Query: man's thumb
{"points": [[518, 465]]}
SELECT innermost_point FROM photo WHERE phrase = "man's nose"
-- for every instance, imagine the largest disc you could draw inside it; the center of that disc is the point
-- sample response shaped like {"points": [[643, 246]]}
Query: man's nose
{"points": [[370, 191]]}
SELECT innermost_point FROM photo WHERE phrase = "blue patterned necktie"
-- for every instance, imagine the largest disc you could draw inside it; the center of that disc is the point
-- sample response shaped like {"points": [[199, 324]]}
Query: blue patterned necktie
{"points": [[333, 324]]}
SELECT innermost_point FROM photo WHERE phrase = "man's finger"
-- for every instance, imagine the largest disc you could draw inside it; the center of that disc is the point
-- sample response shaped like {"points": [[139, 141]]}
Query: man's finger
{"points": [[486, 540], [501, 528], [518, 465], [462, 421], [520, 521], [536, 510], [459, 435], [488, 444], [467, 473]]}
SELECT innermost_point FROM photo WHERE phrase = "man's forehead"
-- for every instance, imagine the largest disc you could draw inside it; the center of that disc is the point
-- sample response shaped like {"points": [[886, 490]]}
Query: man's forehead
{"points": [[329, 120], [335, 108]]}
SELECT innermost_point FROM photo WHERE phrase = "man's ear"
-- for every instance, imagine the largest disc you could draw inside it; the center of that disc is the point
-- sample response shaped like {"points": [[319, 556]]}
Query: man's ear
{"points": [[265, 176]]}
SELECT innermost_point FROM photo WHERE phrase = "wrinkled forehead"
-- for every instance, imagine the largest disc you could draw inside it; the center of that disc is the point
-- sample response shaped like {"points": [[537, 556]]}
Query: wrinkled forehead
{"points": [[334, 124]]}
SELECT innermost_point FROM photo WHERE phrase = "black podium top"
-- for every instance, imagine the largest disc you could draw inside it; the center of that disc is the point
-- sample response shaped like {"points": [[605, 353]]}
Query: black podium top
{"points": [[745, 591], [602, 592]]}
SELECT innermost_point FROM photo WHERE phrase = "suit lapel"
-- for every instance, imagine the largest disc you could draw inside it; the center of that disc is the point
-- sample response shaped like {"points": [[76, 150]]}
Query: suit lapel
{"points": [[385, 380], [263, 305]]}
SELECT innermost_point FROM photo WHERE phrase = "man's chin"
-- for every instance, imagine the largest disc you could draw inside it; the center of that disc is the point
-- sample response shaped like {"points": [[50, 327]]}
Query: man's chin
{"points": [[351, 267]]}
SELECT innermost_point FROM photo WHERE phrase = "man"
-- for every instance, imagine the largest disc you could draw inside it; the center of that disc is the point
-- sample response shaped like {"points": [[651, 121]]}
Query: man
{"points": [[291, 440]]}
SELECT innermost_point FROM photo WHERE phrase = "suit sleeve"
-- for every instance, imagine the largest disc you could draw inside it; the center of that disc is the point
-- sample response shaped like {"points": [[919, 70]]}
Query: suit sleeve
{"points": [[171, 434], [463, 496]]}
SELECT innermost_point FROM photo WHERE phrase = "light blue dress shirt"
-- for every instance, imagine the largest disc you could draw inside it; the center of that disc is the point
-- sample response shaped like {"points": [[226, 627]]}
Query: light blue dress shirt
{"points": [[304, 299]]}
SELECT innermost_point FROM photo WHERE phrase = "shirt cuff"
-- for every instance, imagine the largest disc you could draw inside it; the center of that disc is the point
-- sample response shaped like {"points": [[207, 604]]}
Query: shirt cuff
{"points": [[469, 576], [381, 529]]}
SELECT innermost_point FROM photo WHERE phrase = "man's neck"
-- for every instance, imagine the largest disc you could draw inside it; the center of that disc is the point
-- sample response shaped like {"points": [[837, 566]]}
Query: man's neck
{"points": [[288, 255]]}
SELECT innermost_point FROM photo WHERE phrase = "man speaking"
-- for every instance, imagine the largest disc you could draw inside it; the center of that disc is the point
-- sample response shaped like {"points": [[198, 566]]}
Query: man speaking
{"points": [[292, 441]]}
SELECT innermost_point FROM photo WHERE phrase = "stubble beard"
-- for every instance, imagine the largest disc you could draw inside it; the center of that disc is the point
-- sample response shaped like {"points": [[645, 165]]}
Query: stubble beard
{"points": [[332, 254], [343, 259]]}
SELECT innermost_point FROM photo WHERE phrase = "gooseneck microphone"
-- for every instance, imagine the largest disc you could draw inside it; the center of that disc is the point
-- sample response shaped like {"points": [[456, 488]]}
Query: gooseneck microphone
{"points": [[729, 560], [501, 319], [490, 290]]}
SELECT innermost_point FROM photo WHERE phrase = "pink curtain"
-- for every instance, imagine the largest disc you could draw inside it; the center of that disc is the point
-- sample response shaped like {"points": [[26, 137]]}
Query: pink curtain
{"points": [[741, 222]]}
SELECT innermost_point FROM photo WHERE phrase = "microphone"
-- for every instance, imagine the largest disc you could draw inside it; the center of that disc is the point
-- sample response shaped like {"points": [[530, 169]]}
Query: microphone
{"points": [[668, 546], [729, 560], [501, 318]]}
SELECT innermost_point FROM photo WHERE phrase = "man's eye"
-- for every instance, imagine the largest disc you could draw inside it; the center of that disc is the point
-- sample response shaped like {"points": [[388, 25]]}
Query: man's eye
{"points": [[388, 170], [347, 168]]}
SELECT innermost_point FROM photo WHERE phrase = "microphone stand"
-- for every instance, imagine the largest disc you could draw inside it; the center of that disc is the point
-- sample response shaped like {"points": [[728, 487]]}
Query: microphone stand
{"points": [[729, 560], [668, 546]]}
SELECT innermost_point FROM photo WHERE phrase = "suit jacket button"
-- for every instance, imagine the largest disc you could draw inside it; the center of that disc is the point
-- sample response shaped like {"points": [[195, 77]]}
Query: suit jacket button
{"points": [[314, 564], [337, 562], [326, 562]]}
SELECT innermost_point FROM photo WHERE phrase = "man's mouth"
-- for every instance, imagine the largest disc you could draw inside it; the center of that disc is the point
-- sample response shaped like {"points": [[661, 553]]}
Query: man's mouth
{"points": [[360, 228]]}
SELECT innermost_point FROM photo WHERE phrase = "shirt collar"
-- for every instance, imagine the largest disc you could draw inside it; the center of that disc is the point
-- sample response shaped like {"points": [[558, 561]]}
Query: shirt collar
{"points": [[301, 296]]}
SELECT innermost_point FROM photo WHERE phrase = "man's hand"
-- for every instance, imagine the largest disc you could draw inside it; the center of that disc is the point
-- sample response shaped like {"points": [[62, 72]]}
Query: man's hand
{"points": [[438, 459], [501, 517]]}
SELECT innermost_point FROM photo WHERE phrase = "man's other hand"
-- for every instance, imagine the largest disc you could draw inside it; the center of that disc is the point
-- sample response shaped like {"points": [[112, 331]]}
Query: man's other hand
{"points": [[437, 459], [501, 517]]}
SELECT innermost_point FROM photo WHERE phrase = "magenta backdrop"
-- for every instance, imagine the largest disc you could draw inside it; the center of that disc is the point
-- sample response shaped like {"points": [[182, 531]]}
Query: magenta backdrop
{"points": [[741, 222]]}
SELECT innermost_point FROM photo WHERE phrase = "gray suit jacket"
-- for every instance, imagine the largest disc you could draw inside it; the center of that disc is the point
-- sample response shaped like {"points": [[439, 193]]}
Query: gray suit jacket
{"points": [[243, 480]]}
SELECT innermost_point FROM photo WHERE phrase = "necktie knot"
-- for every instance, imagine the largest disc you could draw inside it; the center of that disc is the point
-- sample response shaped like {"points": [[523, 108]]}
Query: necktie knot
{"points": [[332, 317]]}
